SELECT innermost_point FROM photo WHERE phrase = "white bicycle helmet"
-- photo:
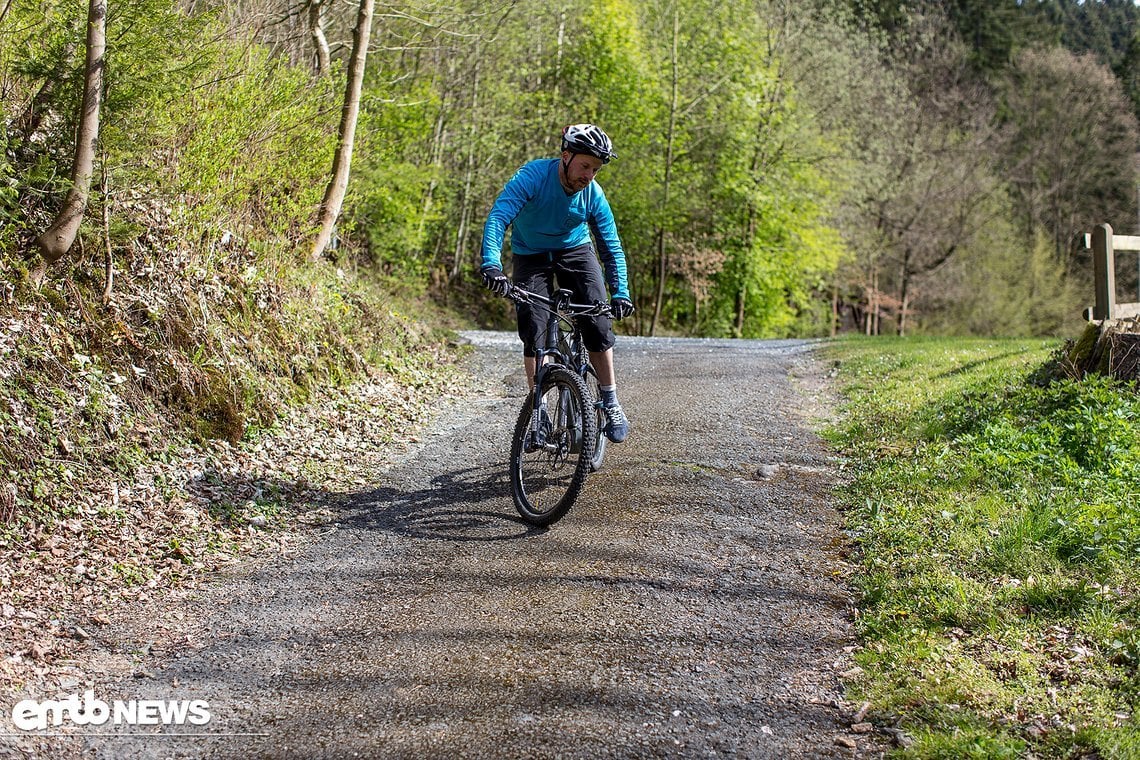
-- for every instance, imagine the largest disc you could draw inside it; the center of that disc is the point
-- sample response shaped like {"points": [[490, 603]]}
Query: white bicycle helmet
{"points": [[588, 138]]}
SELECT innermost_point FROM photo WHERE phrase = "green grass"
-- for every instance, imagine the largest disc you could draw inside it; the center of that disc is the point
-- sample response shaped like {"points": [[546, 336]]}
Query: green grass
{"points": [[997, 515]]}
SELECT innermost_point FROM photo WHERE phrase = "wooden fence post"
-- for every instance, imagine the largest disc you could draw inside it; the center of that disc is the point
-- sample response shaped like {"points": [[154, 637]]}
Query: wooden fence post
{"points": [[1104, 272]]}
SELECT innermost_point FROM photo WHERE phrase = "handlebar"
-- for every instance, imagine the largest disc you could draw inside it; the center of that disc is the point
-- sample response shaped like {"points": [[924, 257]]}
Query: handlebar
{"points": [[518, 295]]}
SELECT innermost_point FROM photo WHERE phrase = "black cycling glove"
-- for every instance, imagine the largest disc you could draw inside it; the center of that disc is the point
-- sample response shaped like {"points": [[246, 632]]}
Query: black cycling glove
{"points": [[495, 281], [621, 307]]}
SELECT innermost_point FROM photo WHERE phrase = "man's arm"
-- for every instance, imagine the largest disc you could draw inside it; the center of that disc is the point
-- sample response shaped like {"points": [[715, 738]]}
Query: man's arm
{"points": [[609, 246], [518, 190]]}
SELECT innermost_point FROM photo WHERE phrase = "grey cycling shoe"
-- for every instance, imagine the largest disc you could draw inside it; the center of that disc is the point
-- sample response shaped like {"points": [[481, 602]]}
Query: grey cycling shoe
{"points": [[617, 424]]}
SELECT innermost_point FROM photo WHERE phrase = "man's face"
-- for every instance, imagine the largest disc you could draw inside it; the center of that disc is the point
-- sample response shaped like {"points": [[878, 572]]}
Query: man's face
{"points": [[581, 169]]}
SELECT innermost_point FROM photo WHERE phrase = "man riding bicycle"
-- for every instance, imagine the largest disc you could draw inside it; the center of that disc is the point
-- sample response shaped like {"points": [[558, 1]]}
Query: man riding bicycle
{"points": [[552, 206]]}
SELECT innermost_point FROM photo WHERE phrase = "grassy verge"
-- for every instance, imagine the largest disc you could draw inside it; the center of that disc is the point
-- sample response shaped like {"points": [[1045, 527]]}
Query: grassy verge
{"points": [[997, 513]]}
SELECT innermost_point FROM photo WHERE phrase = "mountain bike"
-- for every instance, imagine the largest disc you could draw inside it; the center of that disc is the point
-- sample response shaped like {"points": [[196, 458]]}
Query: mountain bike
{"points": [[559, 437]]}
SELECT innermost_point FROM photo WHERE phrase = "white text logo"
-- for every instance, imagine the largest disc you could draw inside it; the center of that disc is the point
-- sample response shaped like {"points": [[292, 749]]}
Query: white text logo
{"points": [[30, 714]]}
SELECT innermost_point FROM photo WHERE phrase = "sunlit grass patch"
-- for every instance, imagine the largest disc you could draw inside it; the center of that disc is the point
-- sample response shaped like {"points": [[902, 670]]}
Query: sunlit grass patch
{"points": [[998, 520]]}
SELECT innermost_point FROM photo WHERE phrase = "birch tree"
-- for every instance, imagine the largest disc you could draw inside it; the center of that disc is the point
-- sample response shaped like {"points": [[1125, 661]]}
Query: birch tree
{"points": [[346, 135], [316, 13], [54, 242]]}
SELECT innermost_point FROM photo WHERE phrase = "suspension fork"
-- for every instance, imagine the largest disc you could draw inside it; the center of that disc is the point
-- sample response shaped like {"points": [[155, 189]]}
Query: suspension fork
{"points": [[538, 435], [537, 405]]}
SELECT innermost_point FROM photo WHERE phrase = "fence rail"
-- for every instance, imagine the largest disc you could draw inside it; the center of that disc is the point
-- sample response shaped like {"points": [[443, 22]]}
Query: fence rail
{"points": [[1104, 248]]}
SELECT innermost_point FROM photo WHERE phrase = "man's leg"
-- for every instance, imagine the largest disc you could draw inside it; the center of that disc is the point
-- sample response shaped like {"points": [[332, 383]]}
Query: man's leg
{"points": [[580, 270], [618, 427], [534, 273], [603, 362], [530, 363]]}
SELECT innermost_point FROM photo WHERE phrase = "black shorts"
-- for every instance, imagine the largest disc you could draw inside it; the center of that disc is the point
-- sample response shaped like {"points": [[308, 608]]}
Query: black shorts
{"points": [[577, 270]]}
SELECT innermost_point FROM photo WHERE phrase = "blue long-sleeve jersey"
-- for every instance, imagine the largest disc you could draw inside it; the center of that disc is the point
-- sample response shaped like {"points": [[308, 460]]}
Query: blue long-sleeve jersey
{"points": [[544, 219]]}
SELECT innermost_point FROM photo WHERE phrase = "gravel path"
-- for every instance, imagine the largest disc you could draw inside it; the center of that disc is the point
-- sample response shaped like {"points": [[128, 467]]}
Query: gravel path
{"points": [[692, 604]]}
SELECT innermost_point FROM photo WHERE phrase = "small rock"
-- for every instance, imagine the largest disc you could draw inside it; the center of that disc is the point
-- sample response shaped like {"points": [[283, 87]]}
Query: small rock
{"points": [[766, 471], [862, 728], [898, 738], [845, 741]]}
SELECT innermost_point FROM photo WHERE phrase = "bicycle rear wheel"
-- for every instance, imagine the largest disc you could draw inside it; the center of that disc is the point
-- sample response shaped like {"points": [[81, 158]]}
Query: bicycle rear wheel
{"points": [[546, 479]]}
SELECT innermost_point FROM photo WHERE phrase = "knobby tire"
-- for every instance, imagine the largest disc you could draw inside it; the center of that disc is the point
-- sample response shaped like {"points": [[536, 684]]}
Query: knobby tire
{"points": [[545, 483], [595, 395]]}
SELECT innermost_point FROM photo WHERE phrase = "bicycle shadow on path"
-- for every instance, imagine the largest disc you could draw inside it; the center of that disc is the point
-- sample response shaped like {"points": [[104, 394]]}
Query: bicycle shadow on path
{"points": [[463, 505]]}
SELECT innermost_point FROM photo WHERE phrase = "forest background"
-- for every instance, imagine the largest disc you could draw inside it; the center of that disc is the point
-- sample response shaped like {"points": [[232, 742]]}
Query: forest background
{"points": [[785, 168]]}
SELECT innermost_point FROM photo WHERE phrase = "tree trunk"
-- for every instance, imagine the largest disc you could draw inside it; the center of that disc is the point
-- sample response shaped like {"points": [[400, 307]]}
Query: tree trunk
{"points": [[108, 252], [342, 161], [56, 240], [662, 253], [741, 309], [870, 323], [904, 291], [558, 55], [317, 32], [834, 309], [436, 161], [469, 169], [749, 232]]}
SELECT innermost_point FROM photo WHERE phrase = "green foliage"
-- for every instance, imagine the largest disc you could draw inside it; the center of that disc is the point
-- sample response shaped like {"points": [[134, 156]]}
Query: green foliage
{"points": [[1108, 29], [999, 534], [155, 54], [806, 158], [608, 70], [251, 148], [1072, 144], [41, 57], [998, 284], [779, 248], [388, 200], [609, 78]]}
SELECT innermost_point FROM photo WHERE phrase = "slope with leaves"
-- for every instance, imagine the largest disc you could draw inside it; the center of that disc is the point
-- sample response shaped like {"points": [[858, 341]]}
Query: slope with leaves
{"points": [[137, 385]]}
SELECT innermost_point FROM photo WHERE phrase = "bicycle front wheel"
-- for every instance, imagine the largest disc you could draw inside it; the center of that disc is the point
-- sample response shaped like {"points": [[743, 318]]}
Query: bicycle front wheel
{"points": [[548, 469], [594, 401]]}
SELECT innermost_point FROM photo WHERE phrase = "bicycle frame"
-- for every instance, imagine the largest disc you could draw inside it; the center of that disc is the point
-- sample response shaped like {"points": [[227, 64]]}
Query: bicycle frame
{"points": [[561, 346]]}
